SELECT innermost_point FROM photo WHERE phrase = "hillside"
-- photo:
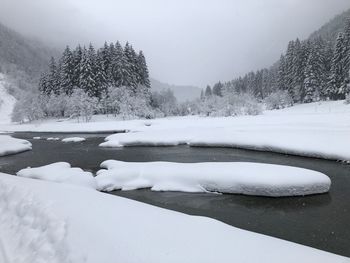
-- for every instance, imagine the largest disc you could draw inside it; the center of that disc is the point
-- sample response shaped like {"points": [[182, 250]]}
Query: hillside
{"points": [[182, 93], [18, 53], [330, 30]]}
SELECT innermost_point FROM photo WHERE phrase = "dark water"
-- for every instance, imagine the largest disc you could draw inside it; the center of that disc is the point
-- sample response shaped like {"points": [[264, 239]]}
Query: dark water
{"points": [[320, 221]]}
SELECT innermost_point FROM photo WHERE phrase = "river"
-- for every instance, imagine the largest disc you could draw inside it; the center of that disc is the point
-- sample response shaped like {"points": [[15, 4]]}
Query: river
{"points": [[319, 221]]}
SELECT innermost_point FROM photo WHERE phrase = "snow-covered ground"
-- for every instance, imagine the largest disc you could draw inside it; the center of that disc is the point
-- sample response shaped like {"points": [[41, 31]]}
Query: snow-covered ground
{"points": [[315, 129], [230, 177], [7, 102], [318, 129], [47, 222], [9, 145], [61, 173]]}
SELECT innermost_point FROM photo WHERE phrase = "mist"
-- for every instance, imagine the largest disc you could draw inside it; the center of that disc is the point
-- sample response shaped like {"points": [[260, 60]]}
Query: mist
{"points": [[186, 41]]}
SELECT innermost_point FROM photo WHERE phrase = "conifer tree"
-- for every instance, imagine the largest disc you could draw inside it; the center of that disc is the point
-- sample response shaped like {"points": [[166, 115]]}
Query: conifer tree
{"points": [[67, 71]]}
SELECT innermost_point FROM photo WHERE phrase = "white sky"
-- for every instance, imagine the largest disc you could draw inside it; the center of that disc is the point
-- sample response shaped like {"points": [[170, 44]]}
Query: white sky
{"points": [[185, 41]]}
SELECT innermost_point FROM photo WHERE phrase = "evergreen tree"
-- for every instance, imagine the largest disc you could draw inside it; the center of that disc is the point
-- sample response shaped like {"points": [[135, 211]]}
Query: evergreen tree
{"points": [[67, 71], [337, 69], [87, 77], [77, 60], [53, 84], [143, 71], [208, 91], [217, 89]]}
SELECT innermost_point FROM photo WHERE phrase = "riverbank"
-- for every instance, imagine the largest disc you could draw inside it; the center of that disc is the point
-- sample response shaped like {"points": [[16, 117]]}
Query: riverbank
{"points": [[316, 130]]}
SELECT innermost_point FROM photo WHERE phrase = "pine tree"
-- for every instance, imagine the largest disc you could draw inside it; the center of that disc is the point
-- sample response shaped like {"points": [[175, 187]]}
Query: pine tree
{"points": [[53, 84], [130, 78], [312, 80], [208, 91], [217, 89], [67, 71], [143, 70], [87, 77], [281, 74], [337, 69], [77, 60], [118, 70]]}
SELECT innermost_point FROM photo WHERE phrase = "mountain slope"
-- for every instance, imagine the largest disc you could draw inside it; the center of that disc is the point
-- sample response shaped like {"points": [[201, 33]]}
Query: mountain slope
{"points": [[330, 30], [22, 59], [182, 93]]}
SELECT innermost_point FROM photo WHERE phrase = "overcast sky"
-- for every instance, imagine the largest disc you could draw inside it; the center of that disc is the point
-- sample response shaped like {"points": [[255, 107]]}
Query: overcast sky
{"points": [[185, 41]]}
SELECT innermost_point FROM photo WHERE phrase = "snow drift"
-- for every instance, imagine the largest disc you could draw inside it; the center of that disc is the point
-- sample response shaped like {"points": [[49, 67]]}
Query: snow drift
{"points": [[98, 227], [30, 230], [9, 145], [61, 173], [73, 139], [234, 178]]}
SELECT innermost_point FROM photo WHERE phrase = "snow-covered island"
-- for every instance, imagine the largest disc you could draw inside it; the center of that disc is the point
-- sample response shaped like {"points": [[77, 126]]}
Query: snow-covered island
{"points": [[233, 178]]}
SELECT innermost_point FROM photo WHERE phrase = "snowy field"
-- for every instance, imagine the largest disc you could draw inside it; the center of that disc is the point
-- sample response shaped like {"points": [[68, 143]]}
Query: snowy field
{"points": [[48, 222]]}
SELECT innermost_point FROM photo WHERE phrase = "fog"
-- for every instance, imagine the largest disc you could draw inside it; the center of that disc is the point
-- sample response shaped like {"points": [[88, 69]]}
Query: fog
{"points": [[194, 42]]}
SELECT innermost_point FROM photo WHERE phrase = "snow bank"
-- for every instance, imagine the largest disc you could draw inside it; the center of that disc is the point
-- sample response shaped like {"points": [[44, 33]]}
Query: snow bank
{"points": [[314, 130], [30, 231], [61, 173], [9, 145], [233, 177], [53, 139], [101, 227], [74, 139]]}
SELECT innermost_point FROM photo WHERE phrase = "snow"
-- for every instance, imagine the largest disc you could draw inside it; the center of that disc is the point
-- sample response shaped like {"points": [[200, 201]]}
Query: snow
{"points": [[46, 222], [30, 231], [37, 138], [229, 177], [10, 145], [61, 172], [7, 102], [319, 129], [53, 139], [315, 130], [73, 139]]}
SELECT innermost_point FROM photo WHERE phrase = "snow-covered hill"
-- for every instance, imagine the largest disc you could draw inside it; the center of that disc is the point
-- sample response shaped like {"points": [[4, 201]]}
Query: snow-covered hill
{"points": [[7, 102]]}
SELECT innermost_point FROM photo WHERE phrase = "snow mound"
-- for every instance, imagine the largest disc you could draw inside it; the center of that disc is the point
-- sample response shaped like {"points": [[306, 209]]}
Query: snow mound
{"points": [[7, 102], [61, 173], [37, 138], [74, 139], [30, 231], [154, 138], [104, 227], [53, 139], [235, 178], [9, 145]]}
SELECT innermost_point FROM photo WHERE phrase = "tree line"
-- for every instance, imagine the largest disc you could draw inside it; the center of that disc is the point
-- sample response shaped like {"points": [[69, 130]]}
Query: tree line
{"points": [[309, 70], [95, 71]]}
